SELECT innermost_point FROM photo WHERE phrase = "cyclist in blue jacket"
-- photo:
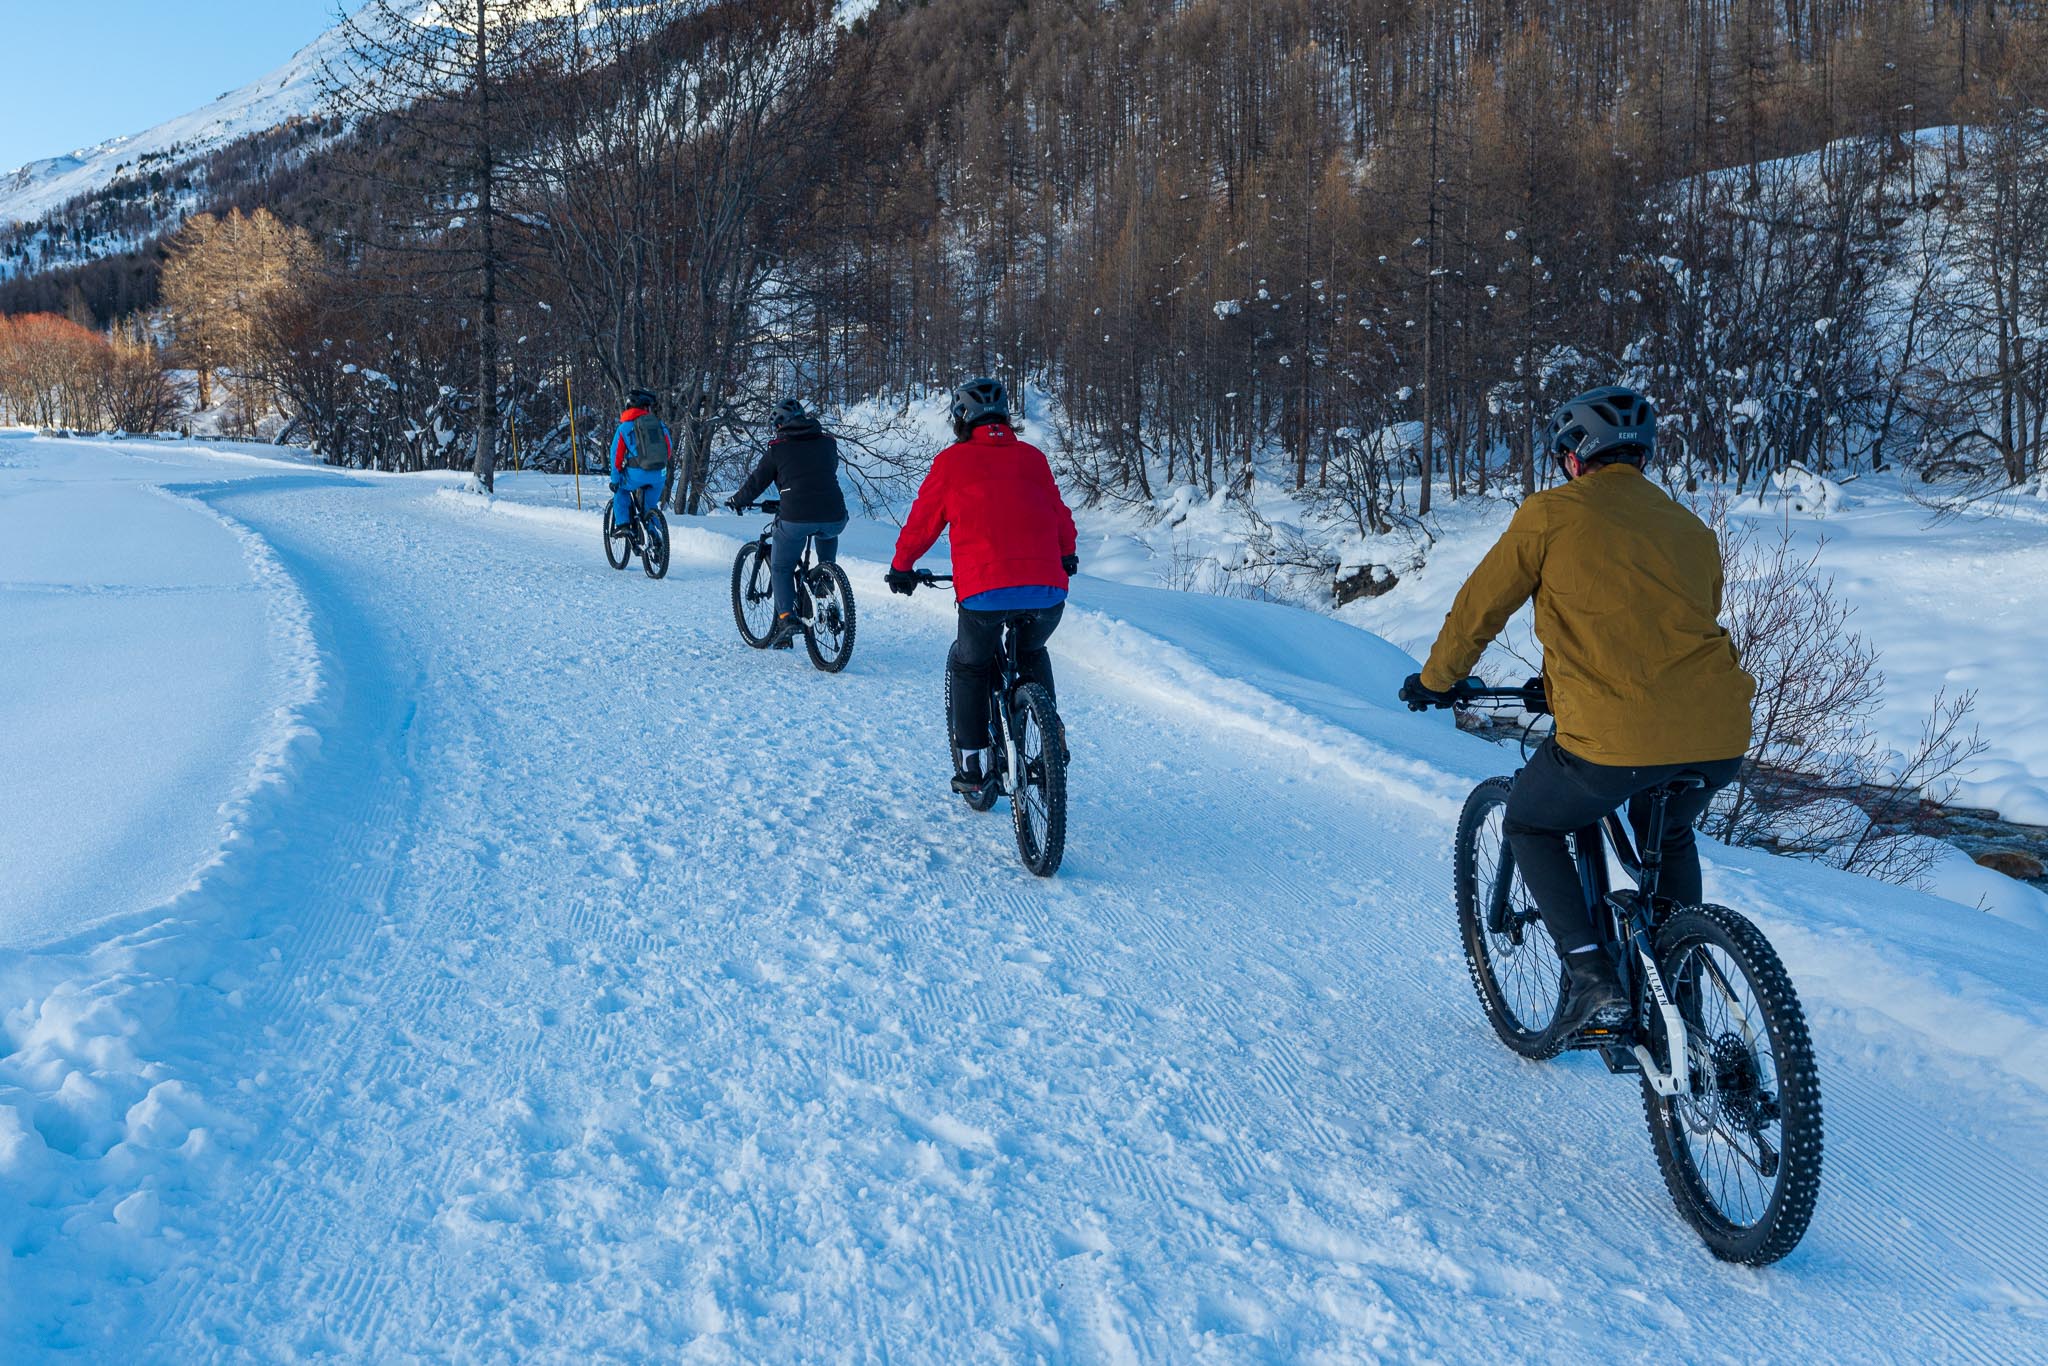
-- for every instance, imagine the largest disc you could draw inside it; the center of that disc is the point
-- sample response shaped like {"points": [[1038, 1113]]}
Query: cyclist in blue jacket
{"points": [[643, 456]]}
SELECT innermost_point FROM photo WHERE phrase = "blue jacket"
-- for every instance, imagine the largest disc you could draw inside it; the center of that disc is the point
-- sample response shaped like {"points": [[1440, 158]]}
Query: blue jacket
{"points": [[623, 449]]}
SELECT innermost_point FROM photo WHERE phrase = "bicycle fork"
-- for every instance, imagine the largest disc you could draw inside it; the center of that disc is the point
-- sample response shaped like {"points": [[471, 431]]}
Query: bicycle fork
{"points": [[1013, 762]]}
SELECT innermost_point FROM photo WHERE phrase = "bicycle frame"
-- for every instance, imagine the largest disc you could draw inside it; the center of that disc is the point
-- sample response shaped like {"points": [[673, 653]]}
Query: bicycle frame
{"points": [[1627, 919], [1630, 920], [1001, 688], [766, 541]]}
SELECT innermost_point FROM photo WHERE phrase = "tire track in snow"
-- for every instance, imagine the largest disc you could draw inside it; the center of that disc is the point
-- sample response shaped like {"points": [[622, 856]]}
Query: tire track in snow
{"points": [[736, 1034]]}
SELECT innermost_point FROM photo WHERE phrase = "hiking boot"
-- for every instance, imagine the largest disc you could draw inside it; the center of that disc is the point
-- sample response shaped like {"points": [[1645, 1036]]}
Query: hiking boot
{"points": [[1593, 995], [788, 627]]}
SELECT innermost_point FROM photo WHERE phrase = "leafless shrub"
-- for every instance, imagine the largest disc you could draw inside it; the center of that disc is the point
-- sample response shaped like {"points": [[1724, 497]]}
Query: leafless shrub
{"points": [[1818, 783]]}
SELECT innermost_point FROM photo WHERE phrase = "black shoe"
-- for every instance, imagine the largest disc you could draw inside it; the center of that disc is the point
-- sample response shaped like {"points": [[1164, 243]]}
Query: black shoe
{"points": [[1593, 996], [788, 627], [968, 779]]}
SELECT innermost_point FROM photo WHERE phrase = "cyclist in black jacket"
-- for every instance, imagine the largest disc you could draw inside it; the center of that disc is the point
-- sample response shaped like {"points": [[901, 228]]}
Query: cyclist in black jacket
{"points": [[803, 462]]}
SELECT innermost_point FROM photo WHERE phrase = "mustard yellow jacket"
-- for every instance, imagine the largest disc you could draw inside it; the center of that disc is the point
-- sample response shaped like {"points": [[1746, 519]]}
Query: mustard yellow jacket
{"points": [[1628, 595]]}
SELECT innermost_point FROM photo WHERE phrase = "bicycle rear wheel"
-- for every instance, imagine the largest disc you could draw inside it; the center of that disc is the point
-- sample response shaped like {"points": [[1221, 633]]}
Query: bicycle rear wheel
{"points": [[830, 634], [1514, 965], [616, 551], [654, 559], [1039, 806], [753, 595], [1741, 1155]]}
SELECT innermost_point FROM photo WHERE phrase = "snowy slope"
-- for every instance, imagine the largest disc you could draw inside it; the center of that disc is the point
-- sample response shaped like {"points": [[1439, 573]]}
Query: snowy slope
{"points": [[593, 986], [128, 672], [291, 91]]}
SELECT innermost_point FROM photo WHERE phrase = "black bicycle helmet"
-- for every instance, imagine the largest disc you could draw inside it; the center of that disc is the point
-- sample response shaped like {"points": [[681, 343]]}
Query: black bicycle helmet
{"points": [[790, 413], [641, 398], [1611, 423], [977, 402]]}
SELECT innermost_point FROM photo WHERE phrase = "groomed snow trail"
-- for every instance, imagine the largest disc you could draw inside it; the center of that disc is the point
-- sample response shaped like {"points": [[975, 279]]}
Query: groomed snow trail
{"points": [[617, 991]]}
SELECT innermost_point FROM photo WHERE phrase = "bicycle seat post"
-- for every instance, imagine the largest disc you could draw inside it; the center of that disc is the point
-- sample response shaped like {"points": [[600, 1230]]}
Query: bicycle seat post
{"points": [[1652, 841]]}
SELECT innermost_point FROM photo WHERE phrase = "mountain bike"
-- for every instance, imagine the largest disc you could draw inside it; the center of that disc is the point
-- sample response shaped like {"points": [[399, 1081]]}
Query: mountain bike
{"points": [[1714, 1030], [1027, 742], [824, 598], [645, 534]]}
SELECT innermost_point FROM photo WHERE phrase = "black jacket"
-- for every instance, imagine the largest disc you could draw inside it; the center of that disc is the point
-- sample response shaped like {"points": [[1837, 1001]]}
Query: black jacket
{"points": [[804, 464]]}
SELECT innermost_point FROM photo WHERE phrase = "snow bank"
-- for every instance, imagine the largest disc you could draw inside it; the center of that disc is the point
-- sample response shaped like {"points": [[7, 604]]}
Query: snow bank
{"points": [[96, 1128]]}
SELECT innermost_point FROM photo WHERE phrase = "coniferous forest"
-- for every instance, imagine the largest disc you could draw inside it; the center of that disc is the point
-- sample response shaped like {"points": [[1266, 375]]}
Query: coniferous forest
{"points": [[1331, 244]]}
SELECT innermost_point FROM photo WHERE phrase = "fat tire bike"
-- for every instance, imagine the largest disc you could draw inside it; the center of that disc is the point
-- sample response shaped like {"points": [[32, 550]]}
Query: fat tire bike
{"points": [[1714, 1030], [824, 598], [645, 534], [1027, 745]]}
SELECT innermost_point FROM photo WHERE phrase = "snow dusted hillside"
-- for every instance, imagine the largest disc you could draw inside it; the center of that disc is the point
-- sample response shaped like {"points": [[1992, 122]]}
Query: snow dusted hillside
{"points": [[290, 92], [525, 969]]}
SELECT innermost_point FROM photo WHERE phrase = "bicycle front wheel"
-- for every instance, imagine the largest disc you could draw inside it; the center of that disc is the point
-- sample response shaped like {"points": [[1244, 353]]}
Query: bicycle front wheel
{"points": [[654, 559], [830, 637], [617, 552], [1039, 805], [1513, 962], [753, 595], [1741, 1154]]}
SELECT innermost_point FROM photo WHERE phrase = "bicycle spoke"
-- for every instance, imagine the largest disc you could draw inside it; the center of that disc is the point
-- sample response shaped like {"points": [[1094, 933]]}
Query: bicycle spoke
{"points": [[1716, 1122]]}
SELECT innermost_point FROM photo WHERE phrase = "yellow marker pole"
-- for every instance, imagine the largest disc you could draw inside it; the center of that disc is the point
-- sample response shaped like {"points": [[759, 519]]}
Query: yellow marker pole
{"points": [[575, 452], [512, 423]]}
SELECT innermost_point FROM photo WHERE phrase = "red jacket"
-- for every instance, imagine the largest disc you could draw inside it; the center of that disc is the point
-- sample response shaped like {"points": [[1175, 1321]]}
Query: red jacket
{"points": [[1010, 526]]}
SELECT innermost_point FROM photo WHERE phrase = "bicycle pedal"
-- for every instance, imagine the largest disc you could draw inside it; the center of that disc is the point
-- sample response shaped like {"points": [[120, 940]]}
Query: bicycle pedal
{"points": [[1603, 1036]]}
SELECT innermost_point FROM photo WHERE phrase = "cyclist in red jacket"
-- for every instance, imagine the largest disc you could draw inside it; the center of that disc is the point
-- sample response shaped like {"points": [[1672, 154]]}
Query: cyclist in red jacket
{"points": [[1013, 551]]}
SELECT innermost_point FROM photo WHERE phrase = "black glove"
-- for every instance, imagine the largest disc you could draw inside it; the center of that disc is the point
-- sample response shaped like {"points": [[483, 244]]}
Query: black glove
{"points": [[614, 482], [902, 581], [1420, 698], [733, 505], [1537, 701], [1071, 563]]}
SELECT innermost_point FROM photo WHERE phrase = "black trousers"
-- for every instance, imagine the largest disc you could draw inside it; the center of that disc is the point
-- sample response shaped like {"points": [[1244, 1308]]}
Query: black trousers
{"points": [[971, 664], [1558, 793]]}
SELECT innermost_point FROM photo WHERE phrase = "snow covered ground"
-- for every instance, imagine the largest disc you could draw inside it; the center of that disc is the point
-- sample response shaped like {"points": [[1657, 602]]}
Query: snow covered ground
{"points": [[565, 979], [136, 659]]}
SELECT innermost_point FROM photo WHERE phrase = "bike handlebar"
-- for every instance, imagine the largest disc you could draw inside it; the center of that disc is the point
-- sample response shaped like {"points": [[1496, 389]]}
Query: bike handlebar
{"points": [[927, 577], [1523, 694], [771, 506], [1530, 697]]}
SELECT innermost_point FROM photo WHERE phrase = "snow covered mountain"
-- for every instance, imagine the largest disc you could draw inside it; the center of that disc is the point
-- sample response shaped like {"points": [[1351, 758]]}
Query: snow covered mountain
{"points": [[290, 92]]}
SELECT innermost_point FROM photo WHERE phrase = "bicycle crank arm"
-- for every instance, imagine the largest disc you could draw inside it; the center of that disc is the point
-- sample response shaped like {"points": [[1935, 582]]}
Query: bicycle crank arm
{"points": [[1678, 1080]]}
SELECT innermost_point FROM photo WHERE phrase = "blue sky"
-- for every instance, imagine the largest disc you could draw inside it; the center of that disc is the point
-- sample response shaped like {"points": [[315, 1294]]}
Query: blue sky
{"points": [[82, 71]]}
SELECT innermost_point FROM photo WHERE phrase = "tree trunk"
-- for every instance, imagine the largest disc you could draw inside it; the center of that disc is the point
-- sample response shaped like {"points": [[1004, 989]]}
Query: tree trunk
{"points": [[486, 467]]}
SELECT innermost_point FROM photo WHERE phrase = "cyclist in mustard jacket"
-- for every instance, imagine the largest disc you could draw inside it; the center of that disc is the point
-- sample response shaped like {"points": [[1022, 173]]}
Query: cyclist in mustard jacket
{"points": [[1640, 673]]}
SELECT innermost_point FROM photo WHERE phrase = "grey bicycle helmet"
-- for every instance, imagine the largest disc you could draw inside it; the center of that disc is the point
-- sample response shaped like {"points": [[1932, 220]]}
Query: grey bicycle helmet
{"points": [[641, 398], [1611, 423], [977, 402], [790, 413]]}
